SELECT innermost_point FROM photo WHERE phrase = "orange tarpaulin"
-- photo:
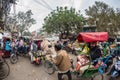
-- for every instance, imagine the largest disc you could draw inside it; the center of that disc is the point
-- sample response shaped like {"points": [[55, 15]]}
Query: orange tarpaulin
{"points": [[92, 36]]}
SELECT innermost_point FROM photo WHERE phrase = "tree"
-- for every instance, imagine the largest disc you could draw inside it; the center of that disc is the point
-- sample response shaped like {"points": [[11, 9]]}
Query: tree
{"points": [[11, 23], [5, 6], [63, 20], [103, 16], [24, 21], [20, 22]]}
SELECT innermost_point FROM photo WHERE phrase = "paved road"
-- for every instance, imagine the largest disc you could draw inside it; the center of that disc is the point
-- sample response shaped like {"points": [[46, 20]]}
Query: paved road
{"points": [[24, 70]]}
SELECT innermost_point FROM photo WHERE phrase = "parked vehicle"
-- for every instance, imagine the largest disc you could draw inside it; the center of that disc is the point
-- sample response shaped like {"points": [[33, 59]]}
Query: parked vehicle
{"points": [[36, 57]]}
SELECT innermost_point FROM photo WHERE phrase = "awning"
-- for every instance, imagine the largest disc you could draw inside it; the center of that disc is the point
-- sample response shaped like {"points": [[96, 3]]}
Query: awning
{"points": [[92, 36]]}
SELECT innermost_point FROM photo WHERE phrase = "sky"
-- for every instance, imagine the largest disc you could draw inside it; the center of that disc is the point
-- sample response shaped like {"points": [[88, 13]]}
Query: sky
{"points": [[41, 8]]}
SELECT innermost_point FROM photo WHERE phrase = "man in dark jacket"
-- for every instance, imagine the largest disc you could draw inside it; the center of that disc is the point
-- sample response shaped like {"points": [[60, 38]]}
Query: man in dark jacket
{"points": [[95, 51]]}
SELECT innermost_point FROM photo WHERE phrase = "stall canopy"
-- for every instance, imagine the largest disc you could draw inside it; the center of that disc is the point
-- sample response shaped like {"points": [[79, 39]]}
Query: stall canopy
{"points": [[92, 36]]}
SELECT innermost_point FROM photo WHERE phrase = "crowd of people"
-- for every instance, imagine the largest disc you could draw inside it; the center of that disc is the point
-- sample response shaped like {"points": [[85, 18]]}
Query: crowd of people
{"points": [[9, 44], [61, 57]]}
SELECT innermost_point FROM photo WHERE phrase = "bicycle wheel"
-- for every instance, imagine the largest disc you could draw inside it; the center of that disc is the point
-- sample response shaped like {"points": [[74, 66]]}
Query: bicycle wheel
{"points": [[13, 58], [49, 67], [97, 76], [4, 70]]}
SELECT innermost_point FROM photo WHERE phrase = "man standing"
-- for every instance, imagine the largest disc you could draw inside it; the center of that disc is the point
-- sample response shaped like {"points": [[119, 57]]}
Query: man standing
{"points": [[63, 63]]}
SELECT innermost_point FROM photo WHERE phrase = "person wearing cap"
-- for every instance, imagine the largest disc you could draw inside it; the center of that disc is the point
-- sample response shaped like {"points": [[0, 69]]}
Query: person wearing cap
{"points": [[62, 61]]}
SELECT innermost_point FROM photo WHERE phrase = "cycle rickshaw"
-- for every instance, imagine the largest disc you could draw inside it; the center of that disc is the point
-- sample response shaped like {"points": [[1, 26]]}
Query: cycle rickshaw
{"points": [[91, 72]]}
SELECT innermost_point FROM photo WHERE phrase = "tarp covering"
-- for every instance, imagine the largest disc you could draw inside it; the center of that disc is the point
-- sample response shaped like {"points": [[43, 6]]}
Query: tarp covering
{"points": [[92, 36]]}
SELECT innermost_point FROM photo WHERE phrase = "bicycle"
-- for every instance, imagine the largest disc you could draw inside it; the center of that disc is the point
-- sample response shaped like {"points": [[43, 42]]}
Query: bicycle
{"points": [[4, 68], [88, 74]]}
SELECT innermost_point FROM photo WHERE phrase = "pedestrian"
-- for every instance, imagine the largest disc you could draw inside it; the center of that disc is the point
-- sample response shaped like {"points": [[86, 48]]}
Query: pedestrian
{"points": [[62, 61]]}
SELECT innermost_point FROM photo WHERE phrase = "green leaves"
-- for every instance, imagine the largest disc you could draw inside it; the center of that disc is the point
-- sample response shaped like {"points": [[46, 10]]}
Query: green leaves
{"points": [[63, 20], [22, 21], [104, 17]]}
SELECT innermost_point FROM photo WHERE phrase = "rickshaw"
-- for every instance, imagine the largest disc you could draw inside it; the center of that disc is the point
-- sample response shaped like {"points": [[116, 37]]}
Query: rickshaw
{"points": [[103, 62], [22, 52], [91, 72], [38, 43]]}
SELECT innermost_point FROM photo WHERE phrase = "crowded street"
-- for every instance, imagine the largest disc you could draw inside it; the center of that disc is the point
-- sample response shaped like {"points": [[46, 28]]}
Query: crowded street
{"points": [[59, 39], [24, 70]]}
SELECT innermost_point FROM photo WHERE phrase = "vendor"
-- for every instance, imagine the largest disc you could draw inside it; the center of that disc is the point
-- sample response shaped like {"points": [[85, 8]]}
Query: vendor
{"points": [[95, 51]]}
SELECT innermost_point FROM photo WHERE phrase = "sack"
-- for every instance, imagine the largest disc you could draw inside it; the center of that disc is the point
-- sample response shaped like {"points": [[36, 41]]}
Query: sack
{"points": [[86, 50]]}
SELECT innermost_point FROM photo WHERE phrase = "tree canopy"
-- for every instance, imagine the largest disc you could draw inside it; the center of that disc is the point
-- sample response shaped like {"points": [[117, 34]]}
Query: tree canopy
{"points": [[104, 17], [22, 21], [25, 20], [63, 20]]}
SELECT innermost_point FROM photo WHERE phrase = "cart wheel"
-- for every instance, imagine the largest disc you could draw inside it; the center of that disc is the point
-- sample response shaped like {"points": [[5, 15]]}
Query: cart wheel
{"points": [[13, 58], [4, 70], [97, 77], [49, 67]]}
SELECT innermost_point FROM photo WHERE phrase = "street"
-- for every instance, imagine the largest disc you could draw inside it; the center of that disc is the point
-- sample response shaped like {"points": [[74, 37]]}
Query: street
{"points": [[24, 70]]}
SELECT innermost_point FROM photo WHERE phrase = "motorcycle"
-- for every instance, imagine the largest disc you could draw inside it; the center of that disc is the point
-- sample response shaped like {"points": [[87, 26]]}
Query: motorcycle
{"points": [[15, 53]]}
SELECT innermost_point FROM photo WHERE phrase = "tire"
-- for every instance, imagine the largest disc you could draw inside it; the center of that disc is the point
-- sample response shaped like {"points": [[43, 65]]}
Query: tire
{"points": [[49, 67], [97, 77], [13, 58], [4, 70]]}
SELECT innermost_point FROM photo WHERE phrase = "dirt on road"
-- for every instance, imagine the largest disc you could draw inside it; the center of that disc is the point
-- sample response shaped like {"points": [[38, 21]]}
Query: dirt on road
{"points": [[24, 70]]}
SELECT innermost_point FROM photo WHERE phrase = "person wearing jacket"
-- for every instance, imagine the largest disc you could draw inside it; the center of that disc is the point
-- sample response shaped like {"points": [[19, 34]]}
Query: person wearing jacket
{"points": [[62, 61]]}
